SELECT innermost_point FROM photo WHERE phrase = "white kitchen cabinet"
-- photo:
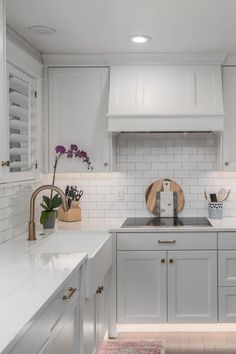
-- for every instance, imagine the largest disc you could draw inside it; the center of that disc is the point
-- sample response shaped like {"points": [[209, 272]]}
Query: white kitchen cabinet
{"points": [[78, 99], [165, 90], [227, 276], [229, 141], [64, 336], [56, 330], [141, 287], [166, 277], [227, 268], [192, 286], [101, 306], [95, 322], [227, 304]]}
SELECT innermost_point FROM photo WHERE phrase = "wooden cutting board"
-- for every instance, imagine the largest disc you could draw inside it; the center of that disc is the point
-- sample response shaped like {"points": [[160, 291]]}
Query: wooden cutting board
{"points": [[157, 186]]}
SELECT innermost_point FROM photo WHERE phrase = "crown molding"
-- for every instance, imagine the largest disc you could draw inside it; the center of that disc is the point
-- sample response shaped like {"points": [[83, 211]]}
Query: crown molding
{"points": [[74, 60], [164, 58], [109, 59], [22, 60], [230, 60]]}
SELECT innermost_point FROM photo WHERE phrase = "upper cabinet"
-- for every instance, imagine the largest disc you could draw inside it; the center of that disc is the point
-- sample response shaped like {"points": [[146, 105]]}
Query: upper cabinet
{"points": [[166, 90], [78, 99], [20, 133], [229, 141]]}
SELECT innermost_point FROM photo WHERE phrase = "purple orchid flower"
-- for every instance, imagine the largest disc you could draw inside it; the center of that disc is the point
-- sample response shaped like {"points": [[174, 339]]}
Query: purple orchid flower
{"points": [[69, 154], [60, 149], [73, 147]]}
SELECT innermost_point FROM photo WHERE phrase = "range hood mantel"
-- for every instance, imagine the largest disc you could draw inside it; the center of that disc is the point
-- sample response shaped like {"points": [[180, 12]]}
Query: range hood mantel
{"points": [[165, 124], [166, 98]]}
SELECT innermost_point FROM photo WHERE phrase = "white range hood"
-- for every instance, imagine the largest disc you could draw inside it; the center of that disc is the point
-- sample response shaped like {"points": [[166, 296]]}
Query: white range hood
{"points": [[165, 98]]}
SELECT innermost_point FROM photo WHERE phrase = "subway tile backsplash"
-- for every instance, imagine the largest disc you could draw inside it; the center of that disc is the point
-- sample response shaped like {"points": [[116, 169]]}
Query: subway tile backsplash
{"points": [[190, 159]]}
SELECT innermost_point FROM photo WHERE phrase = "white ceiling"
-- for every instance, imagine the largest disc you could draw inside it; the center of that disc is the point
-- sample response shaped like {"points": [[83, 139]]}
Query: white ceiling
{"points": [[97, 26]]}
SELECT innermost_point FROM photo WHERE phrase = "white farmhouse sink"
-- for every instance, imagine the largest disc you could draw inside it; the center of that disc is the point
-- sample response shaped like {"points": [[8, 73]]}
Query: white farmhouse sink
{"points": [[97, 246]]}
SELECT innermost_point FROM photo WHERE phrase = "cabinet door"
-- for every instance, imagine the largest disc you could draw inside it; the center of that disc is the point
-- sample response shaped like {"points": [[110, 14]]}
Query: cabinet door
{"points": [[89, 326], [141, 286], [229, 141], [227, 268], [78, 99], [64, 337], [227, 304], [192, 286]]}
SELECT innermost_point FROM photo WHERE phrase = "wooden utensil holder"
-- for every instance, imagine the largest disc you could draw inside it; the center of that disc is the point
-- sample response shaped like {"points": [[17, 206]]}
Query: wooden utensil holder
{"points": [[73, 214]]}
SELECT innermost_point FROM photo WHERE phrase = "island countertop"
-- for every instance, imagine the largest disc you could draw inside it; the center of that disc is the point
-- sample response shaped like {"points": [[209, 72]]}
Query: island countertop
{"points": [[28, 282]]}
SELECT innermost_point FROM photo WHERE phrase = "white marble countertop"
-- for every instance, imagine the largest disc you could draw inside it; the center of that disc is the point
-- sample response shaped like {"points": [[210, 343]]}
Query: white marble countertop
{"points": [[28, 281], [114, 225], [31, 278]]}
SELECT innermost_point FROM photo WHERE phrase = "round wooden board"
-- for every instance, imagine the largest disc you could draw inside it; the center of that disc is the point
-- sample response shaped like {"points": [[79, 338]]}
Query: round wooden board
{"points": [[157, 186]]}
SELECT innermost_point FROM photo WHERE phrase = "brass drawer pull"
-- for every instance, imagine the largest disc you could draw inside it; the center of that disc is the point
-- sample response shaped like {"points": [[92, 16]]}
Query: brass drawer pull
{"points": [[5, 163], [167, 241], [171, 260], [99, 290], [163, 260], [69, 293]]}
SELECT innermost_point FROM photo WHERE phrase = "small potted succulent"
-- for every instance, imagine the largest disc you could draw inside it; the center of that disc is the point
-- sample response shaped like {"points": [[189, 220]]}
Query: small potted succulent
{"points": [[50, 204]]}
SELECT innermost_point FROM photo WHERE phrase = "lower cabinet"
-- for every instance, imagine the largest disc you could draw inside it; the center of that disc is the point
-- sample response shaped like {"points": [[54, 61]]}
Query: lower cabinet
{"points": [[227, 285], [56, 329], [141, 286], [192, 286], [146, 279], [95, 321], [227, 304], [101, 315], [64, 337]]}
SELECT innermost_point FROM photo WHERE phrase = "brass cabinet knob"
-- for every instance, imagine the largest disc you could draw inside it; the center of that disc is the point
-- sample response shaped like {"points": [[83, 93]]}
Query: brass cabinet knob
{"points": [[5, 163], [99, 290], [226, 163], [171, 260], [163, 260], [69, 293]]}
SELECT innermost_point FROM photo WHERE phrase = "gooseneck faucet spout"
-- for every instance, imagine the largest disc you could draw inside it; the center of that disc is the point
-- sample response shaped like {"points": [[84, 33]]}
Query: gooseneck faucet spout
{"points": [[31, 231]]}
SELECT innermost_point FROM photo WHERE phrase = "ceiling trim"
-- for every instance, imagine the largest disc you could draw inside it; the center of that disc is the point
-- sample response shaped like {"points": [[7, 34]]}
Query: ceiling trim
{"points": [[164, 58], [74, 60], [230, 60], [105, 59], [22, 60]]}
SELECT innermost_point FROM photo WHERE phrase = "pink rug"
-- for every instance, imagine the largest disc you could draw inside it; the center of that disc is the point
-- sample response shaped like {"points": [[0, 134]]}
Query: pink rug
{"points": [[122, 346]]}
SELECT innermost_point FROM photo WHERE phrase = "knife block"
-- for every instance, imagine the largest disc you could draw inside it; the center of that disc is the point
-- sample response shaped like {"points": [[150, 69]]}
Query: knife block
{"points": [[73, 214]]}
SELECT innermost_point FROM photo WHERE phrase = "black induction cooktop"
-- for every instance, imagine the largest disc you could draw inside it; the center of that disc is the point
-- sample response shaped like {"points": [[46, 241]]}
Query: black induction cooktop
{"points": [[166, 222]]}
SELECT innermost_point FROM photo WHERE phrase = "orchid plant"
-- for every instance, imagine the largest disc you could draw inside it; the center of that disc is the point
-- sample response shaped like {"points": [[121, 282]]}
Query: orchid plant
{"points": [[73, 151]]}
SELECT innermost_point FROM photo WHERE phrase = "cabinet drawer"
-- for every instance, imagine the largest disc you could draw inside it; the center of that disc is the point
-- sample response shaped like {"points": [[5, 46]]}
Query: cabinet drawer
{"points": [[227, 268], [227, 304], [40, 330], [227, 240], [165, 241]]}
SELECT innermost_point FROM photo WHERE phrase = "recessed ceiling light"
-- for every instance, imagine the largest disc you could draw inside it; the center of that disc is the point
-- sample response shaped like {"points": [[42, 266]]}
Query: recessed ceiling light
{"points": [[139, 38], [41, 29]]}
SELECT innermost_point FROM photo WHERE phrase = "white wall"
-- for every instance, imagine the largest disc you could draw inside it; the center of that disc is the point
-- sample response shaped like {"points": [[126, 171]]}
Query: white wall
{"points": [[142, 158]]}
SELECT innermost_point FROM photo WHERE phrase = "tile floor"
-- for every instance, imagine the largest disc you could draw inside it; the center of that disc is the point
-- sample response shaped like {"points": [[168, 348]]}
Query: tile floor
{"points": [[191, 342]]}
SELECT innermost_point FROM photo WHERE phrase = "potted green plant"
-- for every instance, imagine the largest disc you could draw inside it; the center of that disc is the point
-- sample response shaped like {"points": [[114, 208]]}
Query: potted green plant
{"points": [[50, 204], [48, 215]]}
